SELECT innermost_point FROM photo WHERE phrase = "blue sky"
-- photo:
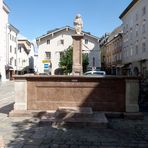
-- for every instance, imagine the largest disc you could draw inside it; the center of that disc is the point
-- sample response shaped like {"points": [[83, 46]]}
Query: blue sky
{"points": [[35, 17]]}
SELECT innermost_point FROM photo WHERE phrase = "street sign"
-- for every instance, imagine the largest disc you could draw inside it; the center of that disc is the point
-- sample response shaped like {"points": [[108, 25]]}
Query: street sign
{"points": [[46, 61], [46, 66]]}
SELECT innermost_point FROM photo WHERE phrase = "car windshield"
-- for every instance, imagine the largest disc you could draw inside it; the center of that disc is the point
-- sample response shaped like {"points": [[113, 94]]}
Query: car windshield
{"points": [[99, 73]]}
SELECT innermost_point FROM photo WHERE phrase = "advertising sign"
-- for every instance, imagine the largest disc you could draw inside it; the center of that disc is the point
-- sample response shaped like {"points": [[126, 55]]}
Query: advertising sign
{"points": [[46, 66]]}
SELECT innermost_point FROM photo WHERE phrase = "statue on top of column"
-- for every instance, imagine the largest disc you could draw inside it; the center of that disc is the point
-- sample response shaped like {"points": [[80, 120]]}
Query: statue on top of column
{"points": [[78, 24]]}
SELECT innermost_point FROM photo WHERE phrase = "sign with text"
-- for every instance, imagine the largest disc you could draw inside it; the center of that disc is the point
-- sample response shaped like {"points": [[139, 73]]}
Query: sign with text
{"points": [[46, 66]]}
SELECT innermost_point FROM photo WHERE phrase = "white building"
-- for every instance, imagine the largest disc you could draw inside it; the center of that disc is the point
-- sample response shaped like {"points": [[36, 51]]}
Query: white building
{"points": [[25, 56], [4, 11], [52, 45], [11, 52], [135, 37]]}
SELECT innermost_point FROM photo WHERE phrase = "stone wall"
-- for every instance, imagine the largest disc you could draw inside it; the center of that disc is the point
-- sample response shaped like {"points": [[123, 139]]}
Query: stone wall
{"points": [[115, 94]]}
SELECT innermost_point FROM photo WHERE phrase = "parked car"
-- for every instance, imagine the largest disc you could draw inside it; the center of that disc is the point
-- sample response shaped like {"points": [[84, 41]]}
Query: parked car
{"points": [[95, 73]]}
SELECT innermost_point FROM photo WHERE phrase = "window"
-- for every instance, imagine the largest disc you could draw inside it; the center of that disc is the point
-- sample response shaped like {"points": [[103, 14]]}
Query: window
{"points": [[15, 50], [61, 54], [15, 62], [136, 33], [10, 48], [11, 59], [136, 49], [10, 36], [136, 16], [60, 42], [143, 11], [143, 28], [86, 41], [19, 47], [48, 55], [143, 47], [48, 41], [127, 52], [131, 50]]}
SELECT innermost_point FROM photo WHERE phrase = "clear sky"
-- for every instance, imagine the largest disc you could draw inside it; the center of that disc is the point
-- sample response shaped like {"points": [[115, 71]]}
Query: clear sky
{"points": [[35, 17]]}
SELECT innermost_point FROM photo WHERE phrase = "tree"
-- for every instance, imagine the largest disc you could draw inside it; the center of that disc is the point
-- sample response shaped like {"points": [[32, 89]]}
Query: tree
{"points": [[66, 60]]}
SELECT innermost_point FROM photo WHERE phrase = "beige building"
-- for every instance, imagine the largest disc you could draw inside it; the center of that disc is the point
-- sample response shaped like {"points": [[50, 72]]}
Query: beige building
{"points": [[52, 45], [111, 52], [4, 11], [135, 37]]}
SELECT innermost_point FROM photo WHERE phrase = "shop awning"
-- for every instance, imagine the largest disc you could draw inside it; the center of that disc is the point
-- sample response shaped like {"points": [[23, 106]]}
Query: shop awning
{"points": [[9, 67]]}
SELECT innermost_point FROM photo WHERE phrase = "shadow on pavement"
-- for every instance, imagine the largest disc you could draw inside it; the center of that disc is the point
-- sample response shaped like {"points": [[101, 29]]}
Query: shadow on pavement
{"points": [[6, 109], [28, 133]]}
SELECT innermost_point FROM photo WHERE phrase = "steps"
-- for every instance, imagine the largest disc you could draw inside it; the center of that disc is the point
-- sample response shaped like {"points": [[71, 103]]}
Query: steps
{"points": [[75, 117]]}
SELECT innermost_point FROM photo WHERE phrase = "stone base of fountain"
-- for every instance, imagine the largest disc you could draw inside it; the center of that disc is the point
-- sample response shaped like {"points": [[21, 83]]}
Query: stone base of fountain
{"points": [[74, 117]]}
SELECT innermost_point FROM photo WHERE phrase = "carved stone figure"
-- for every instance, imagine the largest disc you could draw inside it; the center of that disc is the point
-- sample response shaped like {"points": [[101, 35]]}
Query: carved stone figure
{"points": [[78, 24]]}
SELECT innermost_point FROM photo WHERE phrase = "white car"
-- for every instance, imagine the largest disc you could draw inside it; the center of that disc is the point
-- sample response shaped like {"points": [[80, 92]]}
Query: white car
{"points": [[95, 73]]}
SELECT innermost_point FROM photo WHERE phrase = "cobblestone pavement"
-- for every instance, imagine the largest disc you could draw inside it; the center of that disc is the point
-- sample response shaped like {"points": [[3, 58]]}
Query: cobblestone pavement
{"points": [[18, 132], [27, 133], [6, 93]]}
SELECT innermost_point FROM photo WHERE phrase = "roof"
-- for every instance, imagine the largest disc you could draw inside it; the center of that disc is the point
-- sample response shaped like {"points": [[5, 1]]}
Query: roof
{"points": [[63, 28], [6, 8], [25, 48], [115, 33], [128, 8], [24, 40], [13, 28]]}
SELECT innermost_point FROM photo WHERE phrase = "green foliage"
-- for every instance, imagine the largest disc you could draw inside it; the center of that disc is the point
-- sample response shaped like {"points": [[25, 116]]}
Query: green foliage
{"points": [[66, 61]]}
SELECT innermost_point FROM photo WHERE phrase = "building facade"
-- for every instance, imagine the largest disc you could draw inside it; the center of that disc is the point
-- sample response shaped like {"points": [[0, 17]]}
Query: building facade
{"points": [[24, 57], [135, 38], [52, 45], [4, 12], [11, 52], [111, 52]]}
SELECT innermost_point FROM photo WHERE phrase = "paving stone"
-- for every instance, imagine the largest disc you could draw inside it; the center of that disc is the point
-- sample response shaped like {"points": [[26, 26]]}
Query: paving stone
{"points": [[121, 134], [34, 142], [64, 146], [83, 146], [15, 145], [93, 146], [30, 146], [74, 146], [54, 146], [45, 146]]}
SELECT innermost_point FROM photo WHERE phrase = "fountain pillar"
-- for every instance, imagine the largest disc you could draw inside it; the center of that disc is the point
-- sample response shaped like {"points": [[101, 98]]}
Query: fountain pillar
{"points": [[77, 68]]}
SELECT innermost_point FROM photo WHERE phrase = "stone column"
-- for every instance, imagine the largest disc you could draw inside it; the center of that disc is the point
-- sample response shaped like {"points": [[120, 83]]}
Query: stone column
{"points": [[77, 68], [20, 95], [132, 94]]}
